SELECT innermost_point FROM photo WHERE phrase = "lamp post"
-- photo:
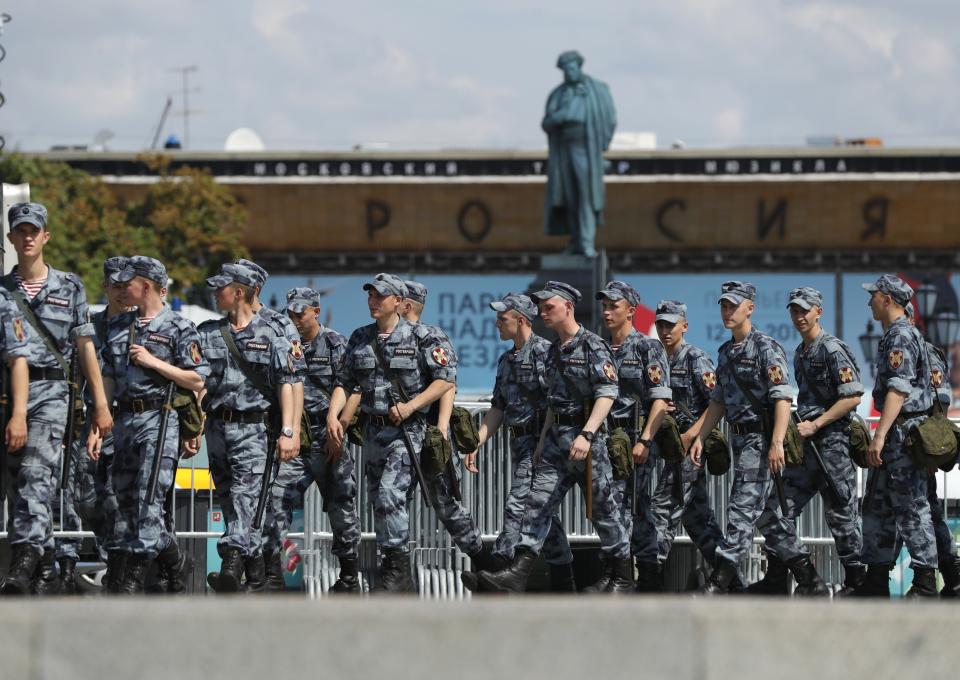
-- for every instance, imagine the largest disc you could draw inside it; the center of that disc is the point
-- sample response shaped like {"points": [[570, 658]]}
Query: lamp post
{"points": [[868, 345]]}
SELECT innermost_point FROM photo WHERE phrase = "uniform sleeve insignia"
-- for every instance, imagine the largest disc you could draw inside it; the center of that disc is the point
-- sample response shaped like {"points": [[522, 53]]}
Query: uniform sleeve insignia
{"points": [[655, 373], [18, 330], [296, 349], [195, 352], [936, 377], [895, 358], [846, 374], [439, 355], [710, 380], [609, 371], [775, 375]]}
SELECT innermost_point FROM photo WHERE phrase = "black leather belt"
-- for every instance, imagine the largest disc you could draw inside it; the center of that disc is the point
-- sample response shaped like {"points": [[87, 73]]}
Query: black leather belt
{"points": [[138, 406], [746, 428], [569, 420], [379, 421], [37, 373], [228, 415]]}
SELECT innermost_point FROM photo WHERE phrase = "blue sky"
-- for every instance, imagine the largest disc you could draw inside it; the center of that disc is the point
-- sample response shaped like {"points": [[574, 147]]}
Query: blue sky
{"points": [[429, 75]]}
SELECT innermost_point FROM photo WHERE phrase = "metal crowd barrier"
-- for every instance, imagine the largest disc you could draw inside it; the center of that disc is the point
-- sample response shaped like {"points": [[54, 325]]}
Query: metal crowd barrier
{"points": [[437, 563]]}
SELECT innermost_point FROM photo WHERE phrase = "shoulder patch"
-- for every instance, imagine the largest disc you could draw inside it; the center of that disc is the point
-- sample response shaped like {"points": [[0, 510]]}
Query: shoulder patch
{"points": [[655, 373], [775, 375], [609, 370], [709, 380], [936, 377], [846, 375], [195, 352], [895, 358], [439, 355], [296, 349], [18, 329]]}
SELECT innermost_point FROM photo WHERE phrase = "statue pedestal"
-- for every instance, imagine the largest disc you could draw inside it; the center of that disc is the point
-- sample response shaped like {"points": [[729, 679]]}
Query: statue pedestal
{"points": [[586, 274]]}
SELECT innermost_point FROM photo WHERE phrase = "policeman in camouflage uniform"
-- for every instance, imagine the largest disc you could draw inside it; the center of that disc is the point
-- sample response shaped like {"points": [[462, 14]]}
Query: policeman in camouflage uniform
{"points": [[948, 562], [90, 497], [519, 396], [424, 375], [239, 399], [643, 374], [145, 351], [692, 377], [451, 512], [896, 500], [333, 473], [582, 388], [271, 536], [759, 363], [829, 391], [54, 304]]}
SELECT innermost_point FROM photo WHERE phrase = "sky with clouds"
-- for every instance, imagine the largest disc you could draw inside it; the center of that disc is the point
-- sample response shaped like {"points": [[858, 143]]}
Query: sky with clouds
{"points": [[312, 75]]}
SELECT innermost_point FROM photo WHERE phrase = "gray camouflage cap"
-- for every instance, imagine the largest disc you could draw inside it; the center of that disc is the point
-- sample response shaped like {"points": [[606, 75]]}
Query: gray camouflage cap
{"points": [[619, 290], [805, 297], [909, 309], [261, 273], [737, 291], [671, 311], [416, 291], [34, 213], [516, 302], [298, 299], [553, 288], [112, 265], [141, 265], [387, 284], [234, 272], [893, 286]]}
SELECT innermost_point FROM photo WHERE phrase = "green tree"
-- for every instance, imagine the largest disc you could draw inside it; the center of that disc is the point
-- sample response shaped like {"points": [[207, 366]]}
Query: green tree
{"points": [[184, 219]]}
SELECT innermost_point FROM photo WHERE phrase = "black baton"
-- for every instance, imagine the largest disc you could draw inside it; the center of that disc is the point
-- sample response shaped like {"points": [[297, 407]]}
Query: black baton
{"points": [[161, 439]]}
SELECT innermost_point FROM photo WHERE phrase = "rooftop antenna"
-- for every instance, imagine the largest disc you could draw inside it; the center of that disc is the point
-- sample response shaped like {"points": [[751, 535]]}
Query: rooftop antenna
{"points": [[163, 119], [185, 72]]}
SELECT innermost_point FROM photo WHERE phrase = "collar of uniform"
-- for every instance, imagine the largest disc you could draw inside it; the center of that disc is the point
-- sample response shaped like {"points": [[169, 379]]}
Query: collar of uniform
{"points": [[902, 321], [814, 346], [51, 284], [574, 341], [748, 339], [680, 356], [402, 331], [157, 321], [632, 336], [522, 356]]}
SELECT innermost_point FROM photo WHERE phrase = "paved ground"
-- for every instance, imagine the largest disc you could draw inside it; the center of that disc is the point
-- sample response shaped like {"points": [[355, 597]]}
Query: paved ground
{"points": [[493, 639]]}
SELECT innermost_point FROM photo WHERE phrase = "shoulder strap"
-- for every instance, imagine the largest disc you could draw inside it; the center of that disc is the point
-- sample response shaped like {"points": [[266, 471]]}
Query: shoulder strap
{"points": [[388, 374], [752, 398], [38, 325], [684, 408], [813, 386], [242, 363]]}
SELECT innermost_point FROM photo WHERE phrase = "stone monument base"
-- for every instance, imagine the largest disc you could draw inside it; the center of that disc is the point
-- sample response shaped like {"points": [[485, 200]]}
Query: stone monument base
{"points": [[586, 274]]}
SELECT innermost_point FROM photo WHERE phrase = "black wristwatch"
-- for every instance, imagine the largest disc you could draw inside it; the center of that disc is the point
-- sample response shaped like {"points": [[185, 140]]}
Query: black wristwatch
{"points": [[586, 434], [646, 442]]}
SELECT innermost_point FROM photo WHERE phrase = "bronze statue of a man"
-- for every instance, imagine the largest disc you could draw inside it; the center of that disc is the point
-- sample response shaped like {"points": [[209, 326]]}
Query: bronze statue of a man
{"points": [[579, 123]]}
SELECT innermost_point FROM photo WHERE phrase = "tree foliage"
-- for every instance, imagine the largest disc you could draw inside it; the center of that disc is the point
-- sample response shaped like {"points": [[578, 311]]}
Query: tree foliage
{"points": [[184, 219]]}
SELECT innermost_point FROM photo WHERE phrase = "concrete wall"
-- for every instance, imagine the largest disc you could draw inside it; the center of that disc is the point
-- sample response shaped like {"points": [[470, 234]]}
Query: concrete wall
{"points": [[492, 639]]}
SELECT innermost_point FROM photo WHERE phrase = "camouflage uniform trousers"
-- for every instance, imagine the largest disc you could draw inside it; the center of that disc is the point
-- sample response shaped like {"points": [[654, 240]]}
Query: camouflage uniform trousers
{"points": [[946, 545], [753, 503], [80, 505], [640, 524], [389, 479], [238, 457], [690, 507], [337, 483], [33, 472], [802, 482], [135, 441], [556, 548], [896, 505], [452, 514], [554, 475], [113, 527]]}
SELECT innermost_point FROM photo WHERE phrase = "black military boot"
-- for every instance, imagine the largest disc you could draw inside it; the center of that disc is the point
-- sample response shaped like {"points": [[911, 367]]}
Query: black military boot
{"points": [[23, 562], [395, 572], [876, 583], [854, 575], [45, 580], [116, 565], [603, 583], [68, 575], [776, 580], [649, 577], [482, 560], [924, 583], [274, 572], [134, 573], [155, 578], [621, 577], [809, 583], [231, 569], [513, 577], [950, 571], [175, 565], [724, 573], [561, 578], [255, 570], [349, 580]]}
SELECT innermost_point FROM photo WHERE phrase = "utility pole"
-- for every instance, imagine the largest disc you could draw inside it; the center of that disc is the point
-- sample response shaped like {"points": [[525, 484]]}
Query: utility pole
{"points": [[185, 72]]}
